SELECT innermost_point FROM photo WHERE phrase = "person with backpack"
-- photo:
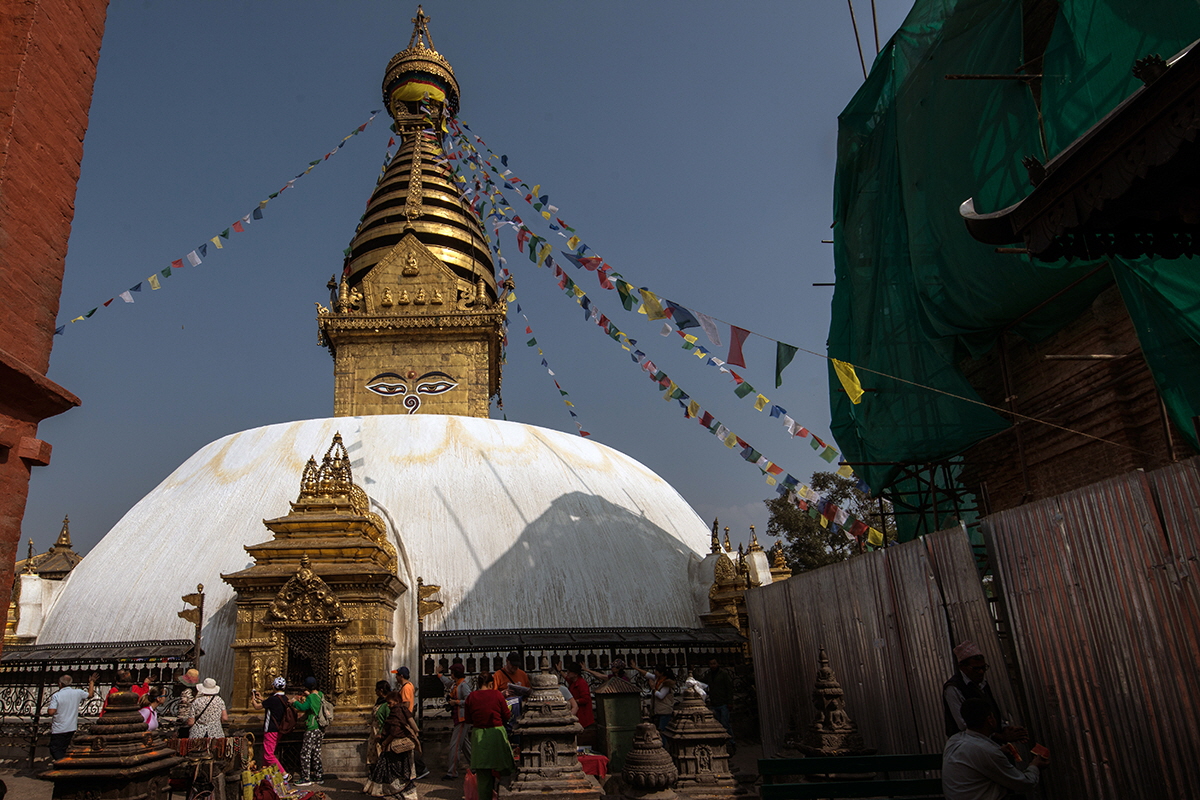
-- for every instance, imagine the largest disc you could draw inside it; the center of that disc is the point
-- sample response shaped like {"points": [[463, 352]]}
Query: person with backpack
{"points": [[208, 712], [278, 718], [311, 770]]}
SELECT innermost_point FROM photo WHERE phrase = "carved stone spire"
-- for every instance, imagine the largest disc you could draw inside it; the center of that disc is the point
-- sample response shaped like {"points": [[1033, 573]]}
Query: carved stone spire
{"points": [[832, 733]]}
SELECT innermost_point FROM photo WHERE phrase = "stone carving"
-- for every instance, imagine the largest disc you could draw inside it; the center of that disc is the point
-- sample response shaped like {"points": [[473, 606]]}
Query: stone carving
{"points": [[697, 743], [548, 729], [256, 674], [386, 300], [403, 301], [832, 732], [649, 771], [411, 270], [352, 676], [306, 598], [421, 298], [339, 677], [437, 298]]}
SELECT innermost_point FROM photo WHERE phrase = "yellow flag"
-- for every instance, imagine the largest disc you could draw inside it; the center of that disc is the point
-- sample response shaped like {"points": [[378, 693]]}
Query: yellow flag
{"points": [[693, 409], [731, 440], [546, 214], [78, 319], [545, 251], [154, 284], [573, 242], [760, 403], [654, 309], [845, 471], [771, 480], [874, 537], [687, 337], [824, 522], [217, 241], [578, 292], [849, 379]]}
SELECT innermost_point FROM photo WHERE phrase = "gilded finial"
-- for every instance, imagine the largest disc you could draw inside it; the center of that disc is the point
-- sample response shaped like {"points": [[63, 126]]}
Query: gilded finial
{"points": [[64, 535], [420, 29], [754, 545], [778, 560], [716, 540], [29, 560], [728, 548]]}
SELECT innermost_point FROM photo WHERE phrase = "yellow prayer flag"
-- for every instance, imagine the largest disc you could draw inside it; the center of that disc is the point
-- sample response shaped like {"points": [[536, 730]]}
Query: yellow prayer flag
{"points": [[546, 214], [731, 440], [573, 242], [670, 390], [545, 251], [568, 402], [771, 480], [849, 379], [642, 309], [760, 403], [687, 337], [874, 537], [217, 241], [845, 470], [693, 409], [512, 297], [537, 187], [154, 284], [78, 319], [654, 309], [578, 292]]}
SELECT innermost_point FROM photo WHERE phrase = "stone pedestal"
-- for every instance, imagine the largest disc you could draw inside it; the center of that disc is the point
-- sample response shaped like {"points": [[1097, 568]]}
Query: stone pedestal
{"points": [[549, 762], [118, 759], [649, 772], [696, 741]]}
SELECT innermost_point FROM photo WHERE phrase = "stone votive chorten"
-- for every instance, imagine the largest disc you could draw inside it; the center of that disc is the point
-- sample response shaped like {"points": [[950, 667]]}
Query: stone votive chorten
{"points": [[549, 762], [117, 758], [649, 772], [832, 733], [696, 741]]}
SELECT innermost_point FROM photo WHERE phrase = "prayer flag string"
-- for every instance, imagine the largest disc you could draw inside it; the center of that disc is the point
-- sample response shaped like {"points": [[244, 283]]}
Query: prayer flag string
{"points": [[481, 186], [195, 257]]}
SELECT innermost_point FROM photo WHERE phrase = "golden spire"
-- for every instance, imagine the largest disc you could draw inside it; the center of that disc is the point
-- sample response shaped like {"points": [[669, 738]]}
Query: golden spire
{"points": [[29, 570], [417, 320], [754, 545], [64, 536], [728, 548], [716, 540]]}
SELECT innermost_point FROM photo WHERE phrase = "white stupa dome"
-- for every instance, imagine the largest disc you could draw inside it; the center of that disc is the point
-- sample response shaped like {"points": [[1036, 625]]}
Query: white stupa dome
{"points": [[521, 526]]}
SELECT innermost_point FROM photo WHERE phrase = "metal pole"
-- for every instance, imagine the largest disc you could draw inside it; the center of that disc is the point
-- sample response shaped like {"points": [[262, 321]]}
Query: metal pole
{"points": [[37, 715], [199, 623]]}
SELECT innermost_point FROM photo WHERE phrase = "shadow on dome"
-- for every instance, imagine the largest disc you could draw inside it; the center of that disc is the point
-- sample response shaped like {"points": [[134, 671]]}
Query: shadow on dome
{"points": [[584, 562]]}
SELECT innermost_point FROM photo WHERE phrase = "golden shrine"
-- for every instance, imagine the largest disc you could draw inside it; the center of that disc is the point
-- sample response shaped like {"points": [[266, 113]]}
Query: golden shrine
{"points": [[416, 318], [320, 600]]}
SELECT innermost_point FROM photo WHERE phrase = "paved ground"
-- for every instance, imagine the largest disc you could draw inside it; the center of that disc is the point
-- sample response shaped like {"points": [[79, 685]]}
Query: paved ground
{"points": [[23, 786]]}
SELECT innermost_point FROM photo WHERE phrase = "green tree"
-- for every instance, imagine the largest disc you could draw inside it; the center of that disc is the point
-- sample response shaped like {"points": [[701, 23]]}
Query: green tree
{"points": [[807, 544]]}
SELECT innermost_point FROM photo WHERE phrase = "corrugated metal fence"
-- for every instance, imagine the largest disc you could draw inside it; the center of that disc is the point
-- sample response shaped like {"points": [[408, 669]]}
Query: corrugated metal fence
{"points": [[888, 621], [1101, 591]]}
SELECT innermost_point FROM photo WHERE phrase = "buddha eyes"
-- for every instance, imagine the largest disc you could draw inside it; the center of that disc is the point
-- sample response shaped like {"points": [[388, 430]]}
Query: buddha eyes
{"points": [[435, 383], [387, 384], [390, 384]]}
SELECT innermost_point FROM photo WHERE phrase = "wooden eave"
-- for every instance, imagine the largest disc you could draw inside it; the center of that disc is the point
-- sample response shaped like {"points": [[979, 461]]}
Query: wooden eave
{"points": [[1146, 130]]}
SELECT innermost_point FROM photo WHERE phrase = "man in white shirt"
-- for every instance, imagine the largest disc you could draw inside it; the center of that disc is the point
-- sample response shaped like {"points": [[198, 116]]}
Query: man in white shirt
{"points": [[64, 705], [973, 765]]}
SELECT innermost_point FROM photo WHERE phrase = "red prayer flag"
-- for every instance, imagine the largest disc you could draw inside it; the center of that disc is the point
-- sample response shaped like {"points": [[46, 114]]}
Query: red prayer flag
{"points": [[775, 469], [177, 263], [237, 226], [736, 337], [109, 300]]}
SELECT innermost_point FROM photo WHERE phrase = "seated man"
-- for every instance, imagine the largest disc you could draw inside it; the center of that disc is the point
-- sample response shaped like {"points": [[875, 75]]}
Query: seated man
{"points": [[974, 767]]}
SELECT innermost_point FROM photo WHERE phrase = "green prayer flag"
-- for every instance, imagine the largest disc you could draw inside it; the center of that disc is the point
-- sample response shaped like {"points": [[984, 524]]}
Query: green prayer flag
{"points": [[273, 195], [627, 300], [531, 342], [743, 389], [829, 454], [813, 443], [784, 353], [166, 272], [93, 311], [225, 233]]}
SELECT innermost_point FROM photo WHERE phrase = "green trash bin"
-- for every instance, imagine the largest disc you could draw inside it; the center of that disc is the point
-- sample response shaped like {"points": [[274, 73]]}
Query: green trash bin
{"points": [[618, 706]]}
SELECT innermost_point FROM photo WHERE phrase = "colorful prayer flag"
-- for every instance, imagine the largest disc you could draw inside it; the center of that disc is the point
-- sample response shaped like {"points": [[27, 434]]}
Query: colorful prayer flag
{"points": [[654, 309], [784, 353], [193, 258], [849, 379], [737, 336], [153, 280]]}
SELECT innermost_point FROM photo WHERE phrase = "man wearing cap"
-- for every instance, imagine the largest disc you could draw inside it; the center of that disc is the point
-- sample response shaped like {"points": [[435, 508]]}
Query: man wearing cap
{"points": [[511, 675], [64, 705], [974, 766], [970, 682]]}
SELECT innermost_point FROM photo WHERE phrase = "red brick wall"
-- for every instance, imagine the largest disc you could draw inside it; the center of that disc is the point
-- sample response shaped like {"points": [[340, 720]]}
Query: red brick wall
{"points": [[48, 54], [1115, 400]]}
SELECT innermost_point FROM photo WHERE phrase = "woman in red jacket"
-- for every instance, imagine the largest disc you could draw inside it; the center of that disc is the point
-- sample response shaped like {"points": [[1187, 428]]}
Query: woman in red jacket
{"points": [[486, 712]]}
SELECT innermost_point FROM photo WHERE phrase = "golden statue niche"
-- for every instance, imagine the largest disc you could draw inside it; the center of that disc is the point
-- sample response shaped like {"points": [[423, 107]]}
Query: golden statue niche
{"points": [[416, 319], [320, 600]]}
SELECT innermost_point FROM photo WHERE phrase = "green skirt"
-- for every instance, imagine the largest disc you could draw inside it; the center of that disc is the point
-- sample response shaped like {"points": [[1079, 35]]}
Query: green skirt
{"points": [[490, 750]]}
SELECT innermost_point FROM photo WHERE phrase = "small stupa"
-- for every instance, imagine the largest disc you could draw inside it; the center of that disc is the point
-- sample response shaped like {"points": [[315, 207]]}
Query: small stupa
{"points": [[649, 772], [548, 730], [118, 757], [696, 741], [832, 733]]}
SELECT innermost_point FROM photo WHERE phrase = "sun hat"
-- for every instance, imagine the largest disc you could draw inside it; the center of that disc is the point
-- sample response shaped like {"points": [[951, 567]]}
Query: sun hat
{"points": [[208, 687], [192, 676]]}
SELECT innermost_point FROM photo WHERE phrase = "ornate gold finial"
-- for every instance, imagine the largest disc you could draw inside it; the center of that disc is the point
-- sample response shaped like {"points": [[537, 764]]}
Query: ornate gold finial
{"points": [[64, 535], [420, 29], [29, 570], [716, 540], [728, 548], [754, 545], [308, 480], [778, 560], [304, 563], [334, 476]]}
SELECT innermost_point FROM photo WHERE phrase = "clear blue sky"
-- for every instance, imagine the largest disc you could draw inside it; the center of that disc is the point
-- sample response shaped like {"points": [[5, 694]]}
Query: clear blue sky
{"points": [[691, 144]]}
